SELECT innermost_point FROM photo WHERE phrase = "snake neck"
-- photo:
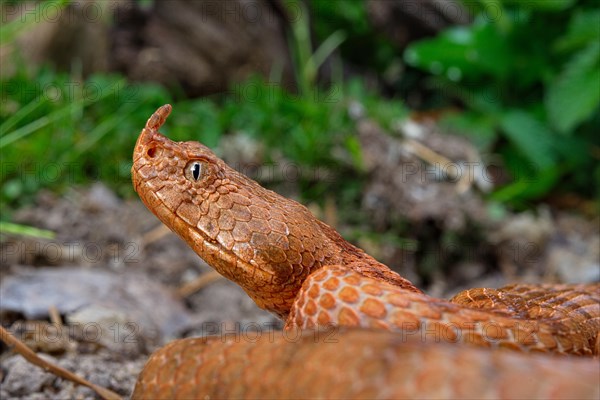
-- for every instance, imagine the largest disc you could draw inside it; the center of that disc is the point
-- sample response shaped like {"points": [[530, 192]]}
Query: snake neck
{"points": [[264, 242]]}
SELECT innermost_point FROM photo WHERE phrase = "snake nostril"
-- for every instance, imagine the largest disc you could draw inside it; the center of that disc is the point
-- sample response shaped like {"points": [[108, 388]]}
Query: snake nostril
{"points": [[151, 152]]}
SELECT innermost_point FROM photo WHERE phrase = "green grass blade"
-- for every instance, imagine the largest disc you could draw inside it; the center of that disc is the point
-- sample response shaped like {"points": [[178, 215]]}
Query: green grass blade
{"points": [[22, 113], [45, 10], [24, 230], [75, 106], [321, 54], [34, 126], [97, 133]]}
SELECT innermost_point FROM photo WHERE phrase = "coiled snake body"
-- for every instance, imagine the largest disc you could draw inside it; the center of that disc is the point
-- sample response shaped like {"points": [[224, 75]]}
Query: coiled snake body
{"points": [[299, 268]]}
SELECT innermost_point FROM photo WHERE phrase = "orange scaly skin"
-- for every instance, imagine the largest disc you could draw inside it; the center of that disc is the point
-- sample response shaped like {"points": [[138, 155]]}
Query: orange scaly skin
{"points": [[265, 243], [563, 319], [367, 364], [299, 268]]}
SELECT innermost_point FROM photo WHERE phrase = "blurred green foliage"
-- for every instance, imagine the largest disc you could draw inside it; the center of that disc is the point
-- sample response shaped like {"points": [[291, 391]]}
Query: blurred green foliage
{"points": [[364, 46], [10, 30], [57, 130], [528, 75], [306, 61]]}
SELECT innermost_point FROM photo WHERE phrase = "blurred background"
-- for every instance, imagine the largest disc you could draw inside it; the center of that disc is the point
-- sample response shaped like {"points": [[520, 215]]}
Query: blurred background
{"points": [[454, 140]]}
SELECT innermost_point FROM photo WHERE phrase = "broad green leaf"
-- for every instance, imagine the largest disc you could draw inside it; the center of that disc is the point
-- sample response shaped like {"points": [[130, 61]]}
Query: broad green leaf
{"points": [[584, 28], [530, 136], [449, 49], [462, 52], [479, 128], [575, 94], [528, 189], [490, 50]]}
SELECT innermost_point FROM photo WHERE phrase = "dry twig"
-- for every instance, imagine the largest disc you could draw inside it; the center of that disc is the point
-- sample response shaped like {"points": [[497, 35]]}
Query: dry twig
{"points": [[198, 283], [33, 358]]}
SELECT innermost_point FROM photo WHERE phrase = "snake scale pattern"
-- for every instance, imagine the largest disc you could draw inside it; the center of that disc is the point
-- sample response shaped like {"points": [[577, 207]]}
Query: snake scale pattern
{"points": [[358, 329]]}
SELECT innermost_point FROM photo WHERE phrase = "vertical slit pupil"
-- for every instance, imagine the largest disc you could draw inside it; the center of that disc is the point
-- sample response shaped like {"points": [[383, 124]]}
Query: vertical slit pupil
{"points": [[196, 171]]}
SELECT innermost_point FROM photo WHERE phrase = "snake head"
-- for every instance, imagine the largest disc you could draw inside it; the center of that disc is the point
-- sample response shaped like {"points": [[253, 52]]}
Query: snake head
{"points": [[262, 241], [171, 168]]}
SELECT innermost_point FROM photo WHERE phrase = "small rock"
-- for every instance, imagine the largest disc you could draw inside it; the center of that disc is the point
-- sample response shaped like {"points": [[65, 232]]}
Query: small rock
{"points": [[131, 297], [16, 367]]}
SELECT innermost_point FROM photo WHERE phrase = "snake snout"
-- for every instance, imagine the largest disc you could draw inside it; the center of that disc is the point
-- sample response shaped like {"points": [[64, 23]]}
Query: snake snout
{"points": [[159, 117]]}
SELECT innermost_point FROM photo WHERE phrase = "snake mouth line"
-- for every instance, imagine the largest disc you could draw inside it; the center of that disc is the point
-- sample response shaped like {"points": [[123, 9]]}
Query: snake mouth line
{"points": [[231, 257]]}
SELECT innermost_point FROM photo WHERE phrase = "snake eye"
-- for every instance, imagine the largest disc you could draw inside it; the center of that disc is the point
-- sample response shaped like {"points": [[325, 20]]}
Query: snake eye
{"points": [[195, 170]]}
